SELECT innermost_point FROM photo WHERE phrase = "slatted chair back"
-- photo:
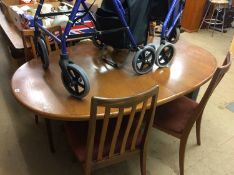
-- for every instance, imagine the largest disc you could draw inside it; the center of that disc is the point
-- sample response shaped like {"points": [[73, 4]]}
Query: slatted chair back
{"points": [[217, 77], [28, 41], [57, 31], [137, 125], [27, 36]]}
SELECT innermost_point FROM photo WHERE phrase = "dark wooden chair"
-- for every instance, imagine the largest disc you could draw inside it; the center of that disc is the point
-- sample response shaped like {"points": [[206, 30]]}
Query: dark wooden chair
{"points": [[178, 117], [27, 36], [99, 143], [29, 46]]}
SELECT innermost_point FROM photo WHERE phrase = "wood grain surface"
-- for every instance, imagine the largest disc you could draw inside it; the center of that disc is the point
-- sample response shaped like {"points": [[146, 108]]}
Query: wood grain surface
{"points": [[192, 15], [43, 92]]}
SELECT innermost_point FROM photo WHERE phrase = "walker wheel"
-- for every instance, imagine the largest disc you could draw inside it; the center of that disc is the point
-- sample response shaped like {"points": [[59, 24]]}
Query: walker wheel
{"points": [[43, 52], [164, 55], [78, 85], [143, 60], [174, 36]]}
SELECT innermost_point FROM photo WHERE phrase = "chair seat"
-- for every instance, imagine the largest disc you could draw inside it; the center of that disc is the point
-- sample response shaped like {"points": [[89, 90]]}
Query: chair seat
{"points": [[173, 116], [77, 133]]}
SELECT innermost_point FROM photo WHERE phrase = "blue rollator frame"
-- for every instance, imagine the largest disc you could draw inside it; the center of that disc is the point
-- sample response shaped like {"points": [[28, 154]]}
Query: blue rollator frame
{"points": [[170, 33], [73, 76], [175, 12]]}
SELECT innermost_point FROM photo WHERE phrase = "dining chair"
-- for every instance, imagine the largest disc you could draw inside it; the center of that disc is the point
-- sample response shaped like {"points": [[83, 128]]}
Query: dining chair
{"points": [[28, 42], [102, 142], [177, 117]]}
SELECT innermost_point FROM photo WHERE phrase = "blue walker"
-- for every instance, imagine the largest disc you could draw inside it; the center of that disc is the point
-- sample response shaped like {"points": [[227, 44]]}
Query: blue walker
{"points": [[74, 78]]}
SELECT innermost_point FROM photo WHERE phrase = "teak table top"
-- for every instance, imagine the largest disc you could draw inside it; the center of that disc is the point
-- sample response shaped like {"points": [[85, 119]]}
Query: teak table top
{"points": [[43, 92]]}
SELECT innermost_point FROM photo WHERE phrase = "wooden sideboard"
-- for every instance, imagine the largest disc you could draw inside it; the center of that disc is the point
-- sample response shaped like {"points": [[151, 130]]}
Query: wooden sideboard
{"points": [[192, 16]]}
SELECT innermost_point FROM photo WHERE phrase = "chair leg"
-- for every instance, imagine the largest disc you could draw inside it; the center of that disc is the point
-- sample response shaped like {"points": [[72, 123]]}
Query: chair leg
{"points": [[87, 170], [198, 130], [36, 119], [143, 162], [50, 136], [183, 143]]}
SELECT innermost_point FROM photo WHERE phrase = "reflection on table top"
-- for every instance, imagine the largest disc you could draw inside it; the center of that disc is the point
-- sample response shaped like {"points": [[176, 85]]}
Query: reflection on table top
{"points": [[43, 92]]}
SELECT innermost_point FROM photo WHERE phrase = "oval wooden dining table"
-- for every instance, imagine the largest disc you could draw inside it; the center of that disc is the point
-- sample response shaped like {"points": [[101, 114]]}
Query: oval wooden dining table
{"points": [[42, 91]]}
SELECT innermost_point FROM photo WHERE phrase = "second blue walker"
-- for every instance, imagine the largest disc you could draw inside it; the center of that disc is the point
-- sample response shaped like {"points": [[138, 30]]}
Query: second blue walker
{"points": [[170, 31]]}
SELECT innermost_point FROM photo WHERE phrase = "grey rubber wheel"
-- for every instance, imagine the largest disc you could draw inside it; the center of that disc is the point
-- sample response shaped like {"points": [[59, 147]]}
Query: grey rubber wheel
{"points": [[174, 36], [43, 52], [143, 60], [79, 85], [164, 55]]}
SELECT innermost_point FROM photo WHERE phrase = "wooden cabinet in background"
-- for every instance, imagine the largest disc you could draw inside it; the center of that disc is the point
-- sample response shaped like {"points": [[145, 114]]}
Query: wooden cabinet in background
{"points": [[192, 16]]}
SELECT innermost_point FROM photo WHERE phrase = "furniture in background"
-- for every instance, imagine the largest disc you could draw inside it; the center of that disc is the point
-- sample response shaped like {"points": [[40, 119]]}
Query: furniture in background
{"points": [[29, 46], [192, 15], [11, 32], [177, 117], [28, 41], [13, 36], [192, 67], [213, 19], [100, 143]]}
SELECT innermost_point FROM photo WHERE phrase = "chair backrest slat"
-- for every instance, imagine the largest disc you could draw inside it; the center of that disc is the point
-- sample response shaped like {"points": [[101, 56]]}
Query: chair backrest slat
{"points": [[28, 40], [48, 44], [54, 31], [27, 36], [103, 133], [109, 137], [131, 117], [139, 124], [116, 132], [33, 47]]}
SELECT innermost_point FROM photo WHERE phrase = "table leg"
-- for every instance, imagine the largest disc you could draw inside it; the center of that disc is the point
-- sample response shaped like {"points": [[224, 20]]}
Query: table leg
{"points": [[36, 119], [49, 134], [193, 95]]}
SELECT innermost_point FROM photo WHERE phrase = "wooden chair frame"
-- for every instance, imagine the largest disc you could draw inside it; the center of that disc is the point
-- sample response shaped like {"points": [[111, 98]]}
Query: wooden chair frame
{"points": [[121, 104], [197, 115], [28, 41]]}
